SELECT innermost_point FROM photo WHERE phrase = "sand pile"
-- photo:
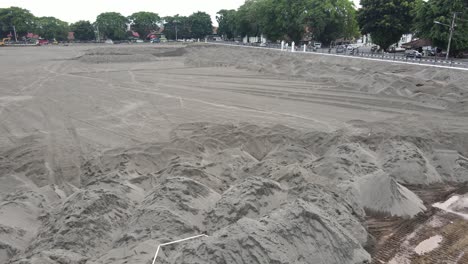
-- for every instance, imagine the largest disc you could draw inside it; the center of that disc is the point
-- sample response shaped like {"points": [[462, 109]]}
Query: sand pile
{"points": [[444, 89], [125, 54], [261, 194]]}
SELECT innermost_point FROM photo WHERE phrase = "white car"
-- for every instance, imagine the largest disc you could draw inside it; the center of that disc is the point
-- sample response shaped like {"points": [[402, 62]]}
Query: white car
{"points": [[109, 41], [317, 45]]}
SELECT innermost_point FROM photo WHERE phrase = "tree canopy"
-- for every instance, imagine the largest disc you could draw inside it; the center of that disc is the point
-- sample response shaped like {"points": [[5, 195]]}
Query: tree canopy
{"points": [[323, 20], [200, 25], [179, 24], [22, 19], [197, 25], [144, 23], [386, 20], [52, 28], [442, 11], [84, 30], [112, 25], [226, 23]]}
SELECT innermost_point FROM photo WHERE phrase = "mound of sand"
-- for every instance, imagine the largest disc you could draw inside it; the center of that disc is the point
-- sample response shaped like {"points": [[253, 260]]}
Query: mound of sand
{"points": [[124, 54], [262, 194], [441, 89]]}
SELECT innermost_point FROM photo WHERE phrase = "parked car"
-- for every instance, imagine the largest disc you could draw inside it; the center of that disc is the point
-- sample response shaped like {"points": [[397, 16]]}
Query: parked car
{"points": [[375, 48], [155, 40], [396, 49], [317, 45], [413, 54], [340, 49]]}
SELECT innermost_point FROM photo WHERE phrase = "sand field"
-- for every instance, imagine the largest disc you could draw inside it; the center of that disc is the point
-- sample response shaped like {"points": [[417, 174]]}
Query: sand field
{"points": [[108, 151]]}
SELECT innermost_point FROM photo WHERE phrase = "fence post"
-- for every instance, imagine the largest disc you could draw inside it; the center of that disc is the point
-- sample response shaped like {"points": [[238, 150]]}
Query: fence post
{"points": [[305, 47], [293, 45], [282, 45]]}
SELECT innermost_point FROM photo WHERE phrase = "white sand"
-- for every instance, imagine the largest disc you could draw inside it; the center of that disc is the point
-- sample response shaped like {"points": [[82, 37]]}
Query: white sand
{"points": [[428, 245], [456, 204]]}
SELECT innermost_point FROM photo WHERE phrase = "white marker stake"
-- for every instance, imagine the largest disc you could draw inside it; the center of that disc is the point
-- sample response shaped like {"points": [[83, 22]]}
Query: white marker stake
{"points": [[305, 48], [282, 45], [174, 242], [293, 45]]}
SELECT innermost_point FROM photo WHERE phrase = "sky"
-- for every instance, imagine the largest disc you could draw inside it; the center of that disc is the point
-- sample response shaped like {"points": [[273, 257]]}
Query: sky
{"points": [[72, 11]]}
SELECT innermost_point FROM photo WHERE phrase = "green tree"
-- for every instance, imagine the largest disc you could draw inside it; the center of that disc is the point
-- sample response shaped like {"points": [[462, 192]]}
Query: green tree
{"points": [[200, 25], [84, 30], [112, 25], [442, 11], [227, 23], [247, 18], [22, 19], [329, 20], [179, 24], [52, 28], [386, 20], [144, 23]]}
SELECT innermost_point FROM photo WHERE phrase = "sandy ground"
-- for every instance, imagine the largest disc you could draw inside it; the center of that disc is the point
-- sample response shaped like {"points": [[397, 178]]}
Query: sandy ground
{"points": [[108, 151]]}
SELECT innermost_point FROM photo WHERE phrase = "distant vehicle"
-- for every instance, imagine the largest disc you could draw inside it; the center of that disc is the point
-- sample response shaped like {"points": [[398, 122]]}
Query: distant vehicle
{"points": [[4, 41], [374, 48], [317, 45], [155, 40], [396, 50], [43, 41], [109, 41], [139, 41], [263, 45], [340, 49], [413, 54]]}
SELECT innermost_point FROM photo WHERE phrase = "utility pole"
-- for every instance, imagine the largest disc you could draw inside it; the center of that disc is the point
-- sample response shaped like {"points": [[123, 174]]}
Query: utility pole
{"points": [[452, 28], [14, 31]]}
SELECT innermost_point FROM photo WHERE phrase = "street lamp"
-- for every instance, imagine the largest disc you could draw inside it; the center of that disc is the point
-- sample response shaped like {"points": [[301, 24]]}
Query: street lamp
{"points": [[452, 28]]}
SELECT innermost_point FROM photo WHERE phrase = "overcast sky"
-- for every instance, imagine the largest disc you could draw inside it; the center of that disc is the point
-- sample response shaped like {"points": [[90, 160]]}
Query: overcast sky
{"points": [[74, 10]]}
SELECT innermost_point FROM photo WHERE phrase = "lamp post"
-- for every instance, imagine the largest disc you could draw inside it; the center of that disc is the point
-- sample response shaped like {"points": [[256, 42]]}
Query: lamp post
{"points": [[452, 28]]}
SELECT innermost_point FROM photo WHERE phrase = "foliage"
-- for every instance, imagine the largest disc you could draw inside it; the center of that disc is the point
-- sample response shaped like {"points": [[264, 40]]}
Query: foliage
{"points": [[226, 23], [112, 25], [200, 25], [197, 25], [323, 20], [442, 11], [84, 30], [247, 18], [52, 28], [177, 27], [144, 23], [386, 20], [22, 19]]}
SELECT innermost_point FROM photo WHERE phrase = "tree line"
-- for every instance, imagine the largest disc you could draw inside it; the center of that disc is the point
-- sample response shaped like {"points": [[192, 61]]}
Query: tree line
{"points": [[110, 25], [292, 20], [328, 20]]}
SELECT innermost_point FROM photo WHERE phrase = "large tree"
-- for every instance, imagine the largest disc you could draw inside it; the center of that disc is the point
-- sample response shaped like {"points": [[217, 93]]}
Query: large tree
{"points": [[200, 25], [442, 11], [20, 18], [52, 28], [227, 23], [144, 23], [177, 27], [112, 25], [247, 18], [386, 20], [84, 30]]}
